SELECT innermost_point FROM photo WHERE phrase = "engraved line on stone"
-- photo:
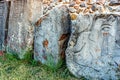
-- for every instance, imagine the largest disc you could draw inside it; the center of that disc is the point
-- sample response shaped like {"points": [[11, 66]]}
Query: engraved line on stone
{"points": [[80, 48], [86, 66]]}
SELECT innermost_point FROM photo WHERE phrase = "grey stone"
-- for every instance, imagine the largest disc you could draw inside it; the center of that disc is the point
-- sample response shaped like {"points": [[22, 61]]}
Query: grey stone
{"points": [[51, 35], [23, 14], [3, 21], [82, 4], [72, 9], [94, 53], [94, 7], [114, 2]]}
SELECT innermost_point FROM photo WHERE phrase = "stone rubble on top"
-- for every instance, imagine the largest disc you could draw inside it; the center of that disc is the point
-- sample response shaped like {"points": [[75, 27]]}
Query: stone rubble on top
{"points": [[87, 6]]}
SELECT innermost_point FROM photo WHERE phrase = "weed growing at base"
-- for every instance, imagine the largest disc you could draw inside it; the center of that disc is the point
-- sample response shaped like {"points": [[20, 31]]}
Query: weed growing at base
{"points": [[12, 68]]}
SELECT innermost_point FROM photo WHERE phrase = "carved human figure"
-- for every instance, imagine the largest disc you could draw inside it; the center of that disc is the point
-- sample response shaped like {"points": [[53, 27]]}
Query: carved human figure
{"points": [[93, 52]]}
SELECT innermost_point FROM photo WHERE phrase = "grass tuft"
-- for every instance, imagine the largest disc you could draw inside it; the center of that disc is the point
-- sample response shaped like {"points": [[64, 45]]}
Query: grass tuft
{"points": [[12, 68]]}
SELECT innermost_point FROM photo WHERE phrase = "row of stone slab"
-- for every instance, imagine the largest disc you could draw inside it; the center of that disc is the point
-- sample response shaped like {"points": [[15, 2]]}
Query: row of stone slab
{"points": [[90, 43]]}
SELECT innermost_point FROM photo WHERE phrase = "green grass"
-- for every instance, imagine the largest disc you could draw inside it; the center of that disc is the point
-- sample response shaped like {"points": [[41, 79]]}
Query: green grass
{"points": [[12, 68]]}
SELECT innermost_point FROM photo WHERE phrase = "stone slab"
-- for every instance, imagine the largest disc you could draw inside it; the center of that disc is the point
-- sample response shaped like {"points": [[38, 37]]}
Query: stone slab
{"points": [[93, 50], [51, 35]]}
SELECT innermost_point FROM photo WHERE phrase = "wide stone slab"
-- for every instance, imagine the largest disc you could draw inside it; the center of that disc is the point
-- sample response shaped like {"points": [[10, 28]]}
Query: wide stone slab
{"points": [[51, 35], [94, 47]]}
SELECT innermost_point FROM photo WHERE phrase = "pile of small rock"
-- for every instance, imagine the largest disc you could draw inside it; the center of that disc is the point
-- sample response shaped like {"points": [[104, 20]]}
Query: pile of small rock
{"points": [[84, 7]]}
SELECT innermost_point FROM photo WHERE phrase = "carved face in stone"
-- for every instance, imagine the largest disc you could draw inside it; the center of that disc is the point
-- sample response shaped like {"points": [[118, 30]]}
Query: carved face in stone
{"points": [[94, 47]]}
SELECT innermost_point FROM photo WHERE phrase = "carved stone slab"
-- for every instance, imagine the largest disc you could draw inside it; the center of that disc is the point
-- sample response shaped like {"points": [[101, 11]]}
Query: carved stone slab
{"points": [[94, 47]]}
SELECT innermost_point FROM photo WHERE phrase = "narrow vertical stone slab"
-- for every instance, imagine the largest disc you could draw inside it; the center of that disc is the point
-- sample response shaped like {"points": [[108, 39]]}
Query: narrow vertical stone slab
{"points": [[17, 31], [93, 49], [3, 18], [51, 35], [20, 32]]}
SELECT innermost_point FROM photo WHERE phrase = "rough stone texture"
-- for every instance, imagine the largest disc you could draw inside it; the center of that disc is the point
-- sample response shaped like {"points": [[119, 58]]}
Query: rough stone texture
{"points": [[94, 44], [3, 18], [94, 47], [21, 20], [51, 35], [34, 9]]}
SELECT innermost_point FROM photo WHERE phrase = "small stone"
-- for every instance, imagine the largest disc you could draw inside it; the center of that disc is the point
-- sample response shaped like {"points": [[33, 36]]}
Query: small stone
{"points": [[94, 7], [101, 1], [88, 1], [76, 7], [65, 2], [71, 4], [73, 16], [82, 4], [44, 2], [110, 9], [101, 9], [89, 6], [52, 5], [51, 1], [86, 10], [114, 3], [78, 11], [56, 3], [77, 1], [72, 9], [48, 3], [90, 11]]}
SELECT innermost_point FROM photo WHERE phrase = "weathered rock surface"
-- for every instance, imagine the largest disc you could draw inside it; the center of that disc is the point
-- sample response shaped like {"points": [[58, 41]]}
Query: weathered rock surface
{"points": [[20, 31], [94, 44], [51, 35], [3, 20], [93, 50]]}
